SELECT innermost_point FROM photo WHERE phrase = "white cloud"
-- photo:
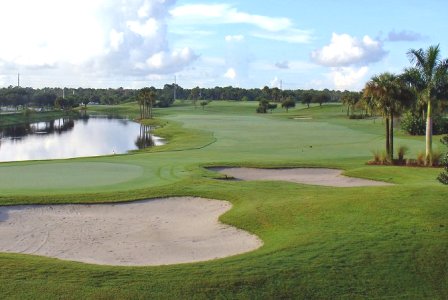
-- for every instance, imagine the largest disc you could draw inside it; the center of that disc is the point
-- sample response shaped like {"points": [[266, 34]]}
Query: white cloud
{"points": [[348, 78], [234, 38], [275, 82], [225, 13], [146, 29], [290, 35], [116, 39], [83, 39], [168, 62], [230, 73], [345, 50], [44, 34], [272, 28]]}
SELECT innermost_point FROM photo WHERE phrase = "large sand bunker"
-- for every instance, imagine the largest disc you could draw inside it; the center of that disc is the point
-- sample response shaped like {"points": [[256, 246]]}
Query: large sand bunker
{"points": [[152, 232], [316, 176]]}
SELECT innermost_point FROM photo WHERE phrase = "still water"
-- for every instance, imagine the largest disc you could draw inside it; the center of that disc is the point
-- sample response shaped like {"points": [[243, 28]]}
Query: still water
{"points": [[69, 137]]}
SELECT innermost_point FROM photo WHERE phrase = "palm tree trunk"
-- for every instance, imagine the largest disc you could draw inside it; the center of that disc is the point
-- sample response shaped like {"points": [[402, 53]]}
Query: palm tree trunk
{"points": [[429, 135], [391, 138], [387, 137]]}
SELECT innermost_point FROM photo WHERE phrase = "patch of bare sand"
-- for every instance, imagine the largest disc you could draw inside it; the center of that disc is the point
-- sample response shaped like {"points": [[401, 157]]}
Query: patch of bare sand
{"points": [[315, 176], [153, 232]]}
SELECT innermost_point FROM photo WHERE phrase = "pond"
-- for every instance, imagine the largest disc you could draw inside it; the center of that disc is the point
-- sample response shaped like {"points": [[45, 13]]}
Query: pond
{"points": [[70, 137]]}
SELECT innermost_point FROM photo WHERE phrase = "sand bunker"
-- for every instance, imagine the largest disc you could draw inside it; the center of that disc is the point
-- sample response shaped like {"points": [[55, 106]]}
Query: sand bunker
{"points": [[152, 232], [316, 176]]}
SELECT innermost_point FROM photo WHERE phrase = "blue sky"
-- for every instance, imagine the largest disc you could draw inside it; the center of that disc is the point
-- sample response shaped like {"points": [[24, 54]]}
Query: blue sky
{"points": [[136, 43]]}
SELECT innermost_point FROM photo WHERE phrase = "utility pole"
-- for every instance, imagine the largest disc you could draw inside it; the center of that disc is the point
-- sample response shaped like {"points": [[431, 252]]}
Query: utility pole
{"points": [[18, 79]]}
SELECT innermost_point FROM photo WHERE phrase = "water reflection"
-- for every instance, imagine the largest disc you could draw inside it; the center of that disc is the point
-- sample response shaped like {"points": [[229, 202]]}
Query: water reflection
{"points": [[69, 137], [49, 127], [144, 140]]}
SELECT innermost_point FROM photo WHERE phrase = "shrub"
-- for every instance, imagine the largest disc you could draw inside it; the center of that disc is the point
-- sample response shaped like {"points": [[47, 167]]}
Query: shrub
{"points": [[356, 117], [415, 125], [376, 157], [443, 177], [436, 158], [402, 151], [384, 159], [421, 158], [440, 125]]}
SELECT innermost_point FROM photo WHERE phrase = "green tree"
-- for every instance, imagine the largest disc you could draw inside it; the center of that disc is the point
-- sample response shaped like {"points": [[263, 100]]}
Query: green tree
{"points": [[194, 95], [263, 105], [307, 97], [432, 70], [321, 97], [390, 96], [204, 104], [288, 103]]}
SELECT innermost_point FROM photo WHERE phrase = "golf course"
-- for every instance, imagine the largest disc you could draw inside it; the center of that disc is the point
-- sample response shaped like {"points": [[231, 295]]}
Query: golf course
{"points": [[388, 240]]}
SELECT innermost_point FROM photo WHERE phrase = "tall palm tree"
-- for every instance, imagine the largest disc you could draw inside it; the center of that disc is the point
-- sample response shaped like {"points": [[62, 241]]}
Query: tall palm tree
{"points": [[432, 70], [147, 99], [413, 78], [143, 96], [390, 95], [151, 101]]}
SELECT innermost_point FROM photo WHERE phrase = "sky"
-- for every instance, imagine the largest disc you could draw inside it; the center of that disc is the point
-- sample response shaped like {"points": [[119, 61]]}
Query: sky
{"points": [[290, 44]]}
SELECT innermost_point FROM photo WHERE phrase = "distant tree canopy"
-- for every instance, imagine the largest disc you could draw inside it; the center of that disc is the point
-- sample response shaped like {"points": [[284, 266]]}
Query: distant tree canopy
{"points": [[18, 97]]}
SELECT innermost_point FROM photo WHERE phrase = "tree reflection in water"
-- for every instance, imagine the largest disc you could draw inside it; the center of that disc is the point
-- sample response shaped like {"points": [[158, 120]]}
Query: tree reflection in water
{"points": [[20, 131], [144, 140]]}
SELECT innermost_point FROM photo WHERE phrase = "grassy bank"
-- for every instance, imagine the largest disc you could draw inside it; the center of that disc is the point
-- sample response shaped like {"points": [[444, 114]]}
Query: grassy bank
{"points": [[319, 242]]}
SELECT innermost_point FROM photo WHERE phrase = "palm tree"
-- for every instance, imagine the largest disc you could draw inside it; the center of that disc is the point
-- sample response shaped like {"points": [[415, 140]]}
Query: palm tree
{"points": [[432, 70], [151, 101], [146, 100], [390, 95], [142, 96], [350, 99], [413, 78]]}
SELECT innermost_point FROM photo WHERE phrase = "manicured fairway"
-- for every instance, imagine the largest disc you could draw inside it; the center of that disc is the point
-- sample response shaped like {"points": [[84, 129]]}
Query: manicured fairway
{"points": [[239, 136], [319, 242]]}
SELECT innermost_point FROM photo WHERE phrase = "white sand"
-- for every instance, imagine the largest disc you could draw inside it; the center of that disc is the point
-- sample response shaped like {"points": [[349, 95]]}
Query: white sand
{"points": [[152, 232], [316, 176]]}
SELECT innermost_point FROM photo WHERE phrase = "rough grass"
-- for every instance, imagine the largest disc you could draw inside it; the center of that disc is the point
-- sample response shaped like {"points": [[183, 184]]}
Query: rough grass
{"points": [[319, 242]]}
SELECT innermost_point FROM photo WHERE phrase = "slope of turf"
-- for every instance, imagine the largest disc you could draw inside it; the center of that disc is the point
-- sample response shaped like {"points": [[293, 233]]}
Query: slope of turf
{"points": [[319, 242]]}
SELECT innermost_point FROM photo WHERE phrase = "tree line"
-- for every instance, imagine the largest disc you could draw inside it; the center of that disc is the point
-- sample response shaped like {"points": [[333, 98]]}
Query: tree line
{"points": [[22, 97]]}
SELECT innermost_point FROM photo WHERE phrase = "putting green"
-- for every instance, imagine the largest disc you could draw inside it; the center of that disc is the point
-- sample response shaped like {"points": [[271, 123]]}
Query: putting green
{"points": [[66, 175]]}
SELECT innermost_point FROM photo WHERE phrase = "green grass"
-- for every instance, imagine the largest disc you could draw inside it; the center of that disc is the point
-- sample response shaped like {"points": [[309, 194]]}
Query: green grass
{"points": [[319, 242]]}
